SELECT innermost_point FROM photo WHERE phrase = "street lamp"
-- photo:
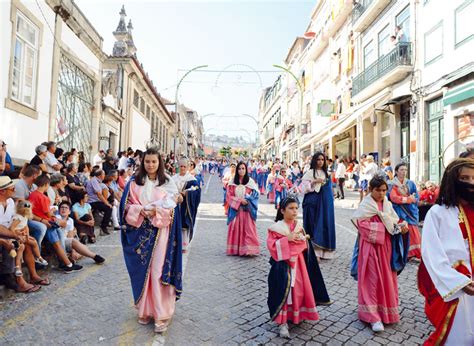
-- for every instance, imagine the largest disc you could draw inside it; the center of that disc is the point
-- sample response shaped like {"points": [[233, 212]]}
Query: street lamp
{"points": [[300, 87], [176, 102]]}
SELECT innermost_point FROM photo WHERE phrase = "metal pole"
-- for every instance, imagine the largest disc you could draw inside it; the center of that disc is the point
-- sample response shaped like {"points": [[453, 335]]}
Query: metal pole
{"points": [[177, 130]]}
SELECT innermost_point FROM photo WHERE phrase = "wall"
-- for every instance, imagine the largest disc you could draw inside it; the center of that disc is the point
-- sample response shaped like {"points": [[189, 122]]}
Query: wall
{"points": [[140, 131], [16, 127]]}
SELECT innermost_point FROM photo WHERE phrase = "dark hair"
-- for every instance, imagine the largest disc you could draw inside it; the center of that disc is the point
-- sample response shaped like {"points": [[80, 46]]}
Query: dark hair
{"points": [[67, 155], [30, 170], [42, 180], [70, 167], [96, 173], [467, 153], [376, 182], [64, 203], [314, 161], [401, 164], [107, 179], [283, 204], [121, 172], [447, 189], [81, 194], [58, 153], [49, 145], [246, 177], [112, 172], [141, 172], [192, 164], [81, 167]]}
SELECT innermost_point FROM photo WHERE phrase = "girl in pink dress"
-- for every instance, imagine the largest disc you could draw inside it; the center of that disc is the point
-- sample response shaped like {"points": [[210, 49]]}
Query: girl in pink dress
{"points": [[377, 223], [291, 297], [242, 199], [151, 240]]}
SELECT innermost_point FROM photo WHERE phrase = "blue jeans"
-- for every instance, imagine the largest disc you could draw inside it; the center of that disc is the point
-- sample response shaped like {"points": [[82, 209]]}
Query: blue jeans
{"points": [[356, 179], [37, 231], [54, 235]]}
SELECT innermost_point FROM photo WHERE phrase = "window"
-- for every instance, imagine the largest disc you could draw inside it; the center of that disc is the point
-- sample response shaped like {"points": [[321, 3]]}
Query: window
{"points": [[25, 61], [384, 45], [142, 106], [462, 28], [434, 43], [403, 20], [147, 111], [136, 99], [369, 54]]}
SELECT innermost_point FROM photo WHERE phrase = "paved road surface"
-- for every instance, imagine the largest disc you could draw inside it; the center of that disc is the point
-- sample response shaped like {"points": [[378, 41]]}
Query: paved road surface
{"points": [[224, 300]]}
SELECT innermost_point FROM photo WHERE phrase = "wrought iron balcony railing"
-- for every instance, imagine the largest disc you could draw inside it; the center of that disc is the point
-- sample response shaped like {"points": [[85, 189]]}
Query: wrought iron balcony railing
{"points": [[359, 9], [400, 55]]}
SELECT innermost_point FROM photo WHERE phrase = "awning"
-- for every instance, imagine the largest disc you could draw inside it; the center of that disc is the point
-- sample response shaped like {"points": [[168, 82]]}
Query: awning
{"points": [[459, 93], [335, 128]]}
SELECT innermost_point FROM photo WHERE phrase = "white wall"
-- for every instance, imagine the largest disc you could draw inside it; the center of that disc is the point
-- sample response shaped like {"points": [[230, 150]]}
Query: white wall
{"points": [[22, 133], [453, 58], [70, 40], [140, 131]]}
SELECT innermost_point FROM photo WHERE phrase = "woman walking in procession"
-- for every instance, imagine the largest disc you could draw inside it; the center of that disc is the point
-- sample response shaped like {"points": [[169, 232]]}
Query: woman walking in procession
{"points": [[377, 264], [242, 198], [151, 240], [318, 207], [404, 197], [295, 282], [445, 276]]}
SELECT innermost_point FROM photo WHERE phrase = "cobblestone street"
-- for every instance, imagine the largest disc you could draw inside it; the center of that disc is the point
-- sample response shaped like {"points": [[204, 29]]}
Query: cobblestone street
{"points": [[224, 300]]}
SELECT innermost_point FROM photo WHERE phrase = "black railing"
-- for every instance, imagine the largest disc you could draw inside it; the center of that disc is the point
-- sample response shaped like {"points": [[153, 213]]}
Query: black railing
{"points": [[359, 8], [401, 55]]}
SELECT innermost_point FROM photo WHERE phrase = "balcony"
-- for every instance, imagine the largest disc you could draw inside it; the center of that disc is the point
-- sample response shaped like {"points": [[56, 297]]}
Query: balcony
{"points": [[339, 12], [316, 46], [387, 70], [365, 12]]}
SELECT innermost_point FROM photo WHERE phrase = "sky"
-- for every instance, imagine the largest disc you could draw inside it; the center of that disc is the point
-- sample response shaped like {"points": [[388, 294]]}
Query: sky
{"points": [[174, 36]]}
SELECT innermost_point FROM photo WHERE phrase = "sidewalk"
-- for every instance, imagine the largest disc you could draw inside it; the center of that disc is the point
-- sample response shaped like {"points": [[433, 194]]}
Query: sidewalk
{"points": [[351, 200]]}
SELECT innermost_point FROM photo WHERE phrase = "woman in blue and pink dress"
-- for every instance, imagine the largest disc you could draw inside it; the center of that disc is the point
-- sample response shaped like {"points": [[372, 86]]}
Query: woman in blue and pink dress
{"points": [[151, 240], [242, 199]]}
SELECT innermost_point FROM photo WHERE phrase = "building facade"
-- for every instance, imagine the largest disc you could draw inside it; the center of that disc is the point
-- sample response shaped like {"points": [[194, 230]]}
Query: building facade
{"points": [[389, 78], [133, 113], [52, 57]]}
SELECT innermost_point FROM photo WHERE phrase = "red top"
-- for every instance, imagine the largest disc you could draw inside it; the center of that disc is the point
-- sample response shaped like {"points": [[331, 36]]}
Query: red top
{"points": [[40, 204]]}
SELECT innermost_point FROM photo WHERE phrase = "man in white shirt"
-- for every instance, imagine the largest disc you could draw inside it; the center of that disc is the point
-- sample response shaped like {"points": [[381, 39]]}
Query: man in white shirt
{"points": [[122, 164], [341, 178], [52, 164], [99, 158]]}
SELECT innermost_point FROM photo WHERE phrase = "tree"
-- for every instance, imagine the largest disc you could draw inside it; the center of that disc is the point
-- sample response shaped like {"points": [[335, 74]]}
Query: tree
{"points": [[226, 151]]}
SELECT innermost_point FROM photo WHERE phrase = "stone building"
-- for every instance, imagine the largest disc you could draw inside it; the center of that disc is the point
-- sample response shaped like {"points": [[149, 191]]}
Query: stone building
{"points": [[133, 113]]}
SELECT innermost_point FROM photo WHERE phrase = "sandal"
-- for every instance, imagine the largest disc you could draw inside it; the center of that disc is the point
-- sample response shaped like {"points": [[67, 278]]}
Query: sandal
{"points": [[42, 282], [144, 320], [32, 289]]}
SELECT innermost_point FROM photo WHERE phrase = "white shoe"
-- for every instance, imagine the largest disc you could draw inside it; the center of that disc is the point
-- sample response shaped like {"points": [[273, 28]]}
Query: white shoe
{"points": [[284, 332], [377, 327]]}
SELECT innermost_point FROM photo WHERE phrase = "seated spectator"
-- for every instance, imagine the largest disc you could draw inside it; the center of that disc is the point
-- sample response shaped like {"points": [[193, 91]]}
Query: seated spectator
{"points": [[109, 164], [8, 230], [115, 186], [68, 158], [73, 246], [83, 172], [97, 200], [74, 184], [122, 164], [428, 197], [58, 154], [23, 188], [52, 163], [83, 219], [56, 192], [42, 210], [20, 224], [6, 164], [109, 194], [38, 160], [122, 176]]}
